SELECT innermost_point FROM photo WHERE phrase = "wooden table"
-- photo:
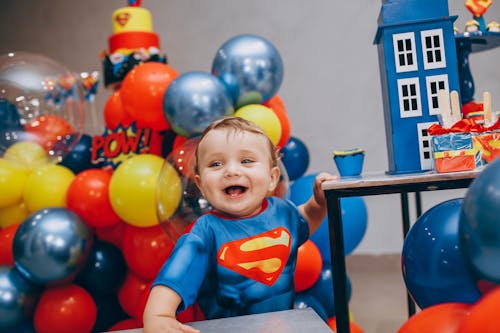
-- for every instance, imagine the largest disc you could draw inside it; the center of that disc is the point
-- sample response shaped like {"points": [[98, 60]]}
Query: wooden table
{"points": [[290, 321], [376, 184]]}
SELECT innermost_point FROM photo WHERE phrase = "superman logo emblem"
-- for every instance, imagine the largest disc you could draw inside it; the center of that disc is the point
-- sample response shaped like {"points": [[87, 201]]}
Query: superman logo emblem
{"points": [[261, 257], [122, 18]]}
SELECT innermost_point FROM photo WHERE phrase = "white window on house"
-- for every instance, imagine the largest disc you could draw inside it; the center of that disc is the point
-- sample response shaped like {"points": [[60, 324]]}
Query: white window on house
{"points": [[409, 98], [434, 84], [424, 143], [405, 54], [433, 49]]}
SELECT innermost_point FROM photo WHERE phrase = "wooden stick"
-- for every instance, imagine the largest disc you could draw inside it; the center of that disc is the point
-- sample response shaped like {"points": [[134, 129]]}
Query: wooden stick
{"points": [[444, 107], [456, 114], [488, 116]]}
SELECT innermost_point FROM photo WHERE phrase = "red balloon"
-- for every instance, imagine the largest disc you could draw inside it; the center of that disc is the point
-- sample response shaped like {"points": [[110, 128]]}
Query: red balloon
{"points": [[146, 249], [88, 196], [68, 308], [112, 234], [278, 106], [142, 93], [133, 295], [114, 112], [483, 316], [308, 267], [48, 129], [125, 325], [6, 239], [353, 327], [439, 318]]}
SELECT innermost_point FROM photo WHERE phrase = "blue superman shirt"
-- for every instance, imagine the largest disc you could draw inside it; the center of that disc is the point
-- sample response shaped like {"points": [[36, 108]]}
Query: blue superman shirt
{"points": [[235, 267]]}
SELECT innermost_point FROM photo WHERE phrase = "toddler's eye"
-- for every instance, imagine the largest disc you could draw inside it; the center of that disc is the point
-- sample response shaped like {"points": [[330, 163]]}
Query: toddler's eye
{"points": [[214, 164], [246, 161]]}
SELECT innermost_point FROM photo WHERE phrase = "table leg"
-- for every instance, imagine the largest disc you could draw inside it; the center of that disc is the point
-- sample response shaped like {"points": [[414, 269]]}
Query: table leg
{"points": [[418, 203], [337, 253], [406, 227]]}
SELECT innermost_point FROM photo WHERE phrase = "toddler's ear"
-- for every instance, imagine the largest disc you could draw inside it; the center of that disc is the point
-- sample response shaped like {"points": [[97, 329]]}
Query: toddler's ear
{"points": [[275, 178], [197, 180]]}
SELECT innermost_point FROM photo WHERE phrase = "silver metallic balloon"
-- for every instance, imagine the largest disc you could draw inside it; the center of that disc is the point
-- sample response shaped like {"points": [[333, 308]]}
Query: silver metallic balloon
{"points": [[51, 246], [17, 298], [251, 68], [194, 100]]}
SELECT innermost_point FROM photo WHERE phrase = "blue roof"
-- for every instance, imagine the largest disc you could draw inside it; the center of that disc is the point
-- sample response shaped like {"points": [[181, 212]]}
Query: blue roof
{"points": [[403, 12], [397, 11]]}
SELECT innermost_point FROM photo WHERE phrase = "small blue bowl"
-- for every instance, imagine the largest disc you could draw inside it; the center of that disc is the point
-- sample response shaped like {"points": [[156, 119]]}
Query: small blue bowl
{"points": [[349, 162]]}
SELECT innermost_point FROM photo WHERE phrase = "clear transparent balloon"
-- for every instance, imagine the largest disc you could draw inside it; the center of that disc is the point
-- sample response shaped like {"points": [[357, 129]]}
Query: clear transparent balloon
{"points": [[41, 101], [191, 204]]}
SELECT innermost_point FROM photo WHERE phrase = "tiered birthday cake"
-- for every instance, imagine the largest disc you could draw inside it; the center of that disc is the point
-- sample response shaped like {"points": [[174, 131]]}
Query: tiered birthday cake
{"points": [[133, 41]]}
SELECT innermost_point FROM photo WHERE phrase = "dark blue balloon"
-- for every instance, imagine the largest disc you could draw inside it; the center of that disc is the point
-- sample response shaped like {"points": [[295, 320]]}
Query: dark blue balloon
{"points": [[434, 269], [79, 157], [295, 157], [25, 327], [250, 67], [193, 100], [303, 300], [354, 217], [109, 312], [104, 271], [480, 224], [322, 290], [9, 116], [51, 246], [17, 298]]}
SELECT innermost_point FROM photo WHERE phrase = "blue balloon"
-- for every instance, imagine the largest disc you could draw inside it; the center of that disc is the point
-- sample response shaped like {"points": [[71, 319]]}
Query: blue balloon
{"points": [[295, 158], [109, 312], [51, 246], [17, 298], [322, 290], [354, 217], [104, 270], [303, 300], [9, 116], [479, 226], [250, 67], [433, 267], [193, 100], [79, 157]]}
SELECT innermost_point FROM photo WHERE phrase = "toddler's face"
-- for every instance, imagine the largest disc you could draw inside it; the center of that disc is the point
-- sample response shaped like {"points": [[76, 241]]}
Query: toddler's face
{"points": [[235, 172]]}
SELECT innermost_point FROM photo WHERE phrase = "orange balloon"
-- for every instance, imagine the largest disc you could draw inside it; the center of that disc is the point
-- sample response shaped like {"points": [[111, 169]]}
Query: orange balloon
{"points": [[68, 308], [483, 316], [114, 112], [308, 267], [146, 249], [353, 327], [278, 106], [6, 240], [125, 325], [440, 318], [142, 93], [132, 295], [112, 234], [88, 196], [47, 130]]}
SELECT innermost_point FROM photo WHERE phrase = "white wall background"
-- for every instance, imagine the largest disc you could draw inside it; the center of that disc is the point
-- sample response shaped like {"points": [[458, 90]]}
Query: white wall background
{"points": [[331, 85]]}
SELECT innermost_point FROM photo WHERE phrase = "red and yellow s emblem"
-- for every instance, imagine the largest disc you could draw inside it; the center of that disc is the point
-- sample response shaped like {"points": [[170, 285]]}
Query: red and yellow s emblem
{"points": [[261, 257]]}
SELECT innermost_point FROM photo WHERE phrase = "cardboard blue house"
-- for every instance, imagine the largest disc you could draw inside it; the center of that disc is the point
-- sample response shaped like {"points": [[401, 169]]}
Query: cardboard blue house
{"points": [[417, 58]]}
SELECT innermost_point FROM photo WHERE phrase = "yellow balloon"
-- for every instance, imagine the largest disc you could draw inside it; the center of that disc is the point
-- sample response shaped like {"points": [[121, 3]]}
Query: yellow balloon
{"points": [[168, 191], [264, 117], [132, 189], [47, 187], [13, 178], [29, 154], [14, 214]]}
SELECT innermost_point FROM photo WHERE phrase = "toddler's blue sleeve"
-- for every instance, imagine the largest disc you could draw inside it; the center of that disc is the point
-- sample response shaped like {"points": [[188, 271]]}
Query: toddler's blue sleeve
{"points": [[185, 269]]}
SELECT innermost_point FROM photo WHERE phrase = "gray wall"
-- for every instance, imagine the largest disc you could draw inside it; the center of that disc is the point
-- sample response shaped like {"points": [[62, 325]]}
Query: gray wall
{"points": [[331, 86]]}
